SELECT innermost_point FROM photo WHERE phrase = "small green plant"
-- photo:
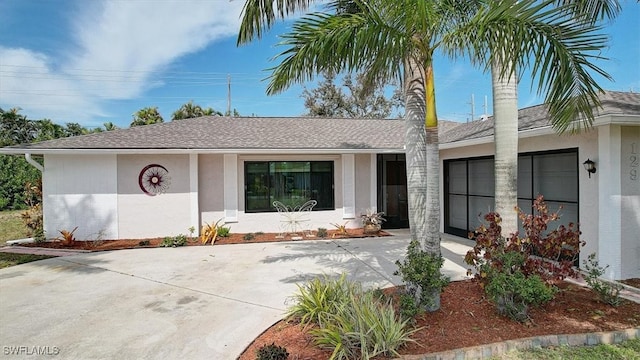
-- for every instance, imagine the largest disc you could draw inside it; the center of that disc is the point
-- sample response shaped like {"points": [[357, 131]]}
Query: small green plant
{"points": [[608, 292], [224, 231], [248, 237], [421, 274], [259, 232], [192, 229], [408, 308], [175, 241], [363, 328], [322, 233], [319, 297], [272, 352], [144, 243]]}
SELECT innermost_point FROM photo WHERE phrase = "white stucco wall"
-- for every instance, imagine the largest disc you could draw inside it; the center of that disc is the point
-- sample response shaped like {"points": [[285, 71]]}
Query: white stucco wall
{"points": [[217, 199], [80, 190], [630, 201], [144, 216]]}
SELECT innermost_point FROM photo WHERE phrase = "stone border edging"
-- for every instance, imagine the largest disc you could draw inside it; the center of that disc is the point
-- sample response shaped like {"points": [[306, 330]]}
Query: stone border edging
{"points": [[495, 349]]}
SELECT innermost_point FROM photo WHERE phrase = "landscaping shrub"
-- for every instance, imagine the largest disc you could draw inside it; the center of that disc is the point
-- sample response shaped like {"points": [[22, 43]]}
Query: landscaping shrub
{"points": [[608, 292], [272, 352], [248, 237], [420, 272], [322, 233], [32, 217], [319, 297], [357, 324], [180, 240], [517, 272], [224, 231]]}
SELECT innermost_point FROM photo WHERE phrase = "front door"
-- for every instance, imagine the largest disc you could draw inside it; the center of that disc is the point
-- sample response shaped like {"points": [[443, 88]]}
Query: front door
{"points": [[392, 190]]}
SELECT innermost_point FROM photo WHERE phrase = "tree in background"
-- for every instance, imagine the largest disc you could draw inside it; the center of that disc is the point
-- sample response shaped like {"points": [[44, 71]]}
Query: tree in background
{"points": [[357, 101], [191, 110], [233, 113], [147, 116], [109, 126], [15, 172], [15, 128]]}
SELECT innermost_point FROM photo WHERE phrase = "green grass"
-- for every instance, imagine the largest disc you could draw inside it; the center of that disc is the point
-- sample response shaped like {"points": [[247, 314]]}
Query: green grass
{"points": [[11, 226], [10, 259], [627, 350]]}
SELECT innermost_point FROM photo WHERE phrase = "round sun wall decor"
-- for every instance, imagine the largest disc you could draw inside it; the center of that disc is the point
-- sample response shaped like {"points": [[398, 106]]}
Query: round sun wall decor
{"points": [[154, 179]]}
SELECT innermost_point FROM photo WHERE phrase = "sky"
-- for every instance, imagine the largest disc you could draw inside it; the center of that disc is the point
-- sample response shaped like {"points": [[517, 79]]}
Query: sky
{"points": [[98, 61]]}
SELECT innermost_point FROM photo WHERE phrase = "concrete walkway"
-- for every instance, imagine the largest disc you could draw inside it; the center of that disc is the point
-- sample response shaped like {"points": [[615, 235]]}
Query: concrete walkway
{"points": [[179, 303]]}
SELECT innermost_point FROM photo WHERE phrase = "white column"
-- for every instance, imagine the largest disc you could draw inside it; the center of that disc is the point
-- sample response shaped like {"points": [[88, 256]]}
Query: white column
{"points": [[231, 188], [348, 186], [609, 196], [193, 191], [373, 202]]}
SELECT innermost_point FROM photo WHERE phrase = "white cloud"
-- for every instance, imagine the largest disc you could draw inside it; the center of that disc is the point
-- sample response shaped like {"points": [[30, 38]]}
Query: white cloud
{"points": [[28, 81], [118, 51]]}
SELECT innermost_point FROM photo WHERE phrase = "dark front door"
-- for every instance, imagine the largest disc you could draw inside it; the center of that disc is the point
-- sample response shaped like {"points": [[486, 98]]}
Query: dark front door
{"points": [[392, 190]]}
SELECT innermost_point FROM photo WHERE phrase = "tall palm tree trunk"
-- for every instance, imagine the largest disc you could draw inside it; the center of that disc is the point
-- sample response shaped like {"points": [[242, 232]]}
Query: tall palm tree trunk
{"points": [[505, 116], [432, 240], [415, 149]]}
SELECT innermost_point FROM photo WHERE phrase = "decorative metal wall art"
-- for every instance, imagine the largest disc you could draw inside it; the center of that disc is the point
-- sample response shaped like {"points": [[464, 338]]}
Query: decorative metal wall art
{"points": [[154, 179]]}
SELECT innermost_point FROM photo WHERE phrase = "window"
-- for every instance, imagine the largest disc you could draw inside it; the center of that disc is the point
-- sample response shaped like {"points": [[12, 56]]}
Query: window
{"points": [[291, 182], [469, 187]]}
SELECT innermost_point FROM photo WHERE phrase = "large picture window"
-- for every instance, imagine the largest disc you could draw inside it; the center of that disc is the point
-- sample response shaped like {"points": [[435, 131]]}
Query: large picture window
{"points": [[291, 182]]}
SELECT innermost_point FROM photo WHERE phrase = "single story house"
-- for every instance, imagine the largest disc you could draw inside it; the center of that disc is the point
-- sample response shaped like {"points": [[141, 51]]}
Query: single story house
{"points": [[159, 180]]}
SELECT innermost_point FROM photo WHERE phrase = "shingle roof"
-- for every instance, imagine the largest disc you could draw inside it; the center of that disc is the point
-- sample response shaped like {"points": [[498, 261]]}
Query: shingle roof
{"points": [[613, 103], [222, 133], [302, 133]]}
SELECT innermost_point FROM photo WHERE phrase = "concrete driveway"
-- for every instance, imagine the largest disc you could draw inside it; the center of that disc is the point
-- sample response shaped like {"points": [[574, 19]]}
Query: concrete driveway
{"points": [[178, 303]]}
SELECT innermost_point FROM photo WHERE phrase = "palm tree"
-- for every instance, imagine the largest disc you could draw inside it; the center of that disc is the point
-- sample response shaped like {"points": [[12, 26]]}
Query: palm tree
{"points": [[147, 116], [572, 93], [109, 126], [397, 40], [191, 110]]}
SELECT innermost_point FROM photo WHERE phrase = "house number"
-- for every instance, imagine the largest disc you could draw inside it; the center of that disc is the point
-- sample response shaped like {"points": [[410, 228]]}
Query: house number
{"points": [[634, 163]]}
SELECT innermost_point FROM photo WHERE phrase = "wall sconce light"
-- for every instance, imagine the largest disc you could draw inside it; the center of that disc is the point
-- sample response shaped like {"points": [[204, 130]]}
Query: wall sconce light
{"points": [[590, 166]]}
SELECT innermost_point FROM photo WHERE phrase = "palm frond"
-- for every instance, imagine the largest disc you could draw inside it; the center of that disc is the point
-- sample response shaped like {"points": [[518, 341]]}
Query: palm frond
{"points": [[260, 15], [558, 49], [322, 42]]}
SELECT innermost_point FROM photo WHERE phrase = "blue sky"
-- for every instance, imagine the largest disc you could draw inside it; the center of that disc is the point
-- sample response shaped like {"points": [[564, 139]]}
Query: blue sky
{"points": [[98, 61]]}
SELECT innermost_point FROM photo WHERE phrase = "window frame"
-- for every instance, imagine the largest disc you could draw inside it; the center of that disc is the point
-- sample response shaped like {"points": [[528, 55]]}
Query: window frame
{"points": [[270, 164]]}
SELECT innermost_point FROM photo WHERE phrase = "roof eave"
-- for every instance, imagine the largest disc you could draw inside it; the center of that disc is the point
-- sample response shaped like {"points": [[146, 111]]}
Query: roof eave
{"points": [[145, 151]]}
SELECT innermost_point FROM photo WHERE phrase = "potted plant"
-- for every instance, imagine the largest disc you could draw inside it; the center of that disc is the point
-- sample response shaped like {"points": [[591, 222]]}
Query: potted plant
{"points": [[372, 221]]}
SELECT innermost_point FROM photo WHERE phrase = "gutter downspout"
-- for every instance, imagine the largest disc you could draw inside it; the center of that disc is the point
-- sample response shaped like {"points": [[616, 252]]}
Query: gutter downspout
{"points": [[34, 163]]}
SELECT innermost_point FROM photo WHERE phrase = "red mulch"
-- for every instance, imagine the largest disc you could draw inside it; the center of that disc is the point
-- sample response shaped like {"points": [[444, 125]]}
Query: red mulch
{"points": [[233, 238], [466, 318]]}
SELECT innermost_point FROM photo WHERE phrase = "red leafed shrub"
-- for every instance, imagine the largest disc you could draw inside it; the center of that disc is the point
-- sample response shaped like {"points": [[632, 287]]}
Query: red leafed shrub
{"points": [[548, 254]]}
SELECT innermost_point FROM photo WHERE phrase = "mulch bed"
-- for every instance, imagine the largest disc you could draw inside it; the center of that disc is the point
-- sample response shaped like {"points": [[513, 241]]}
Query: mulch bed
{"points": [[467, 318], [233, 238]]}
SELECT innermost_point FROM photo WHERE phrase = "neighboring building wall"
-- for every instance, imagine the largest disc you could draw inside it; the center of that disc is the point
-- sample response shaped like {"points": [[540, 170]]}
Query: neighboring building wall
{"points": [[143, 216], [80, 190], [630, 201]]}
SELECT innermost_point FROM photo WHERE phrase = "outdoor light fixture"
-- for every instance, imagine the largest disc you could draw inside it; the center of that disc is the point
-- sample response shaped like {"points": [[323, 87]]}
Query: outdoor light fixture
{"points": [[590, 166]]}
